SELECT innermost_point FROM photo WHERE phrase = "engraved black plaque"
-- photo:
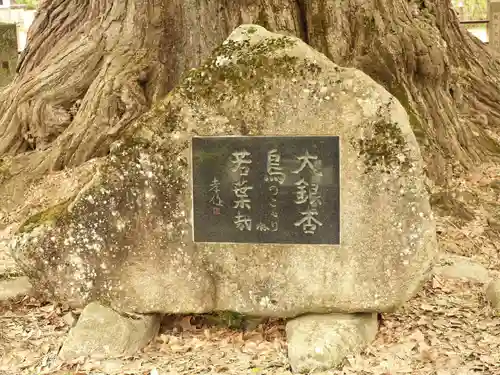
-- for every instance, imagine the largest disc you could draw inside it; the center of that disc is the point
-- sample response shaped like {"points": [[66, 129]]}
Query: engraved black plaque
{"points": [[266, 189]]}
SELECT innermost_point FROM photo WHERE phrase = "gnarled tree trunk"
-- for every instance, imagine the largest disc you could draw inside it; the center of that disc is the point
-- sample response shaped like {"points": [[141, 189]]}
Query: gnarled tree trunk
{"points": [[92, 67]]}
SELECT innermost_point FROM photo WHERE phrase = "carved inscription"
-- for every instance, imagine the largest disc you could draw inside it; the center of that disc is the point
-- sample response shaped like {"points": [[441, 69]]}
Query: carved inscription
{"points": [[277, 189]]}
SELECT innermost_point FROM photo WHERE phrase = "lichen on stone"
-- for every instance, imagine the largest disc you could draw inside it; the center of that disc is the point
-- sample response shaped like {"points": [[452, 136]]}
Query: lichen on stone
{"points": [[135, 193]]}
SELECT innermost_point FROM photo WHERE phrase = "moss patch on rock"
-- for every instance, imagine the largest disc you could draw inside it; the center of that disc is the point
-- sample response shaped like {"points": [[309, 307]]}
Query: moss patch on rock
{"points": [[49, 216], [386, 148], [237, 67]]}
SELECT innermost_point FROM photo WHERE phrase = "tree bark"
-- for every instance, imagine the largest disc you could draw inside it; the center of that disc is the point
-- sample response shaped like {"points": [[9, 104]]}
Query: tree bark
{"points": [[446, 78], [92, 67]]}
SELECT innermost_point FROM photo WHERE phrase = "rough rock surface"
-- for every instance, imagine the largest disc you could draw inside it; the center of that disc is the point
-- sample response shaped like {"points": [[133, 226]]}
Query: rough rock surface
{"points": [[102, 331], [8, 267], [125, 237], [453, 266], [13, 288], [321, 342], [493, 293]]}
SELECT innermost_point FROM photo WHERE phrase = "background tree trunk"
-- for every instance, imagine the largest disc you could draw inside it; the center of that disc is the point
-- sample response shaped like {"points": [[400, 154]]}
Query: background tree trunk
{"points": [[446, 78], [92, 67]]}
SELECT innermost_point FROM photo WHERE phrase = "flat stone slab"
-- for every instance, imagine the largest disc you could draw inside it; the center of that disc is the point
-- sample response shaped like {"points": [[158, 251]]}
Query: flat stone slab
{"points": [[13, 288], [102, 331], [493, 294], [321, 342], [453, 266]]}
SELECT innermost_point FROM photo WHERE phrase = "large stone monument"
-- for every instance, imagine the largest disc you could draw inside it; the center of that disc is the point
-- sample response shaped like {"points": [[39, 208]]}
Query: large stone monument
{"points": [[270, 182], [8, 52]]}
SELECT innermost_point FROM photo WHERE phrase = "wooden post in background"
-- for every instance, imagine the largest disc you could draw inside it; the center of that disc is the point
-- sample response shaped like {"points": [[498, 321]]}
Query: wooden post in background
{"points": [[494, 24], [460, 10], [8, 52]]}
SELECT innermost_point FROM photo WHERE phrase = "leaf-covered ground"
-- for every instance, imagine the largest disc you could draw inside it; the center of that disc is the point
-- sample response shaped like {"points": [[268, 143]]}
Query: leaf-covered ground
{"points": [[449, 328]]}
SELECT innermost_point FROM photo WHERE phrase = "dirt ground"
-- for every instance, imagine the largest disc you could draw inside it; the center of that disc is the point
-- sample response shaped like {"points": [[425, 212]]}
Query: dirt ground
{"points": [[448, 328]]}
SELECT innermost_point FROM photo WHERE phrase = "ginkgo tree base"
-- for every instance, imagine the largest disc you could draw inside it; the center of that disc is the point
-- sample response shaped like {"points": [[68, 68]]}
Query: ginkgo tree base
{"points": [[83, 79]]}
